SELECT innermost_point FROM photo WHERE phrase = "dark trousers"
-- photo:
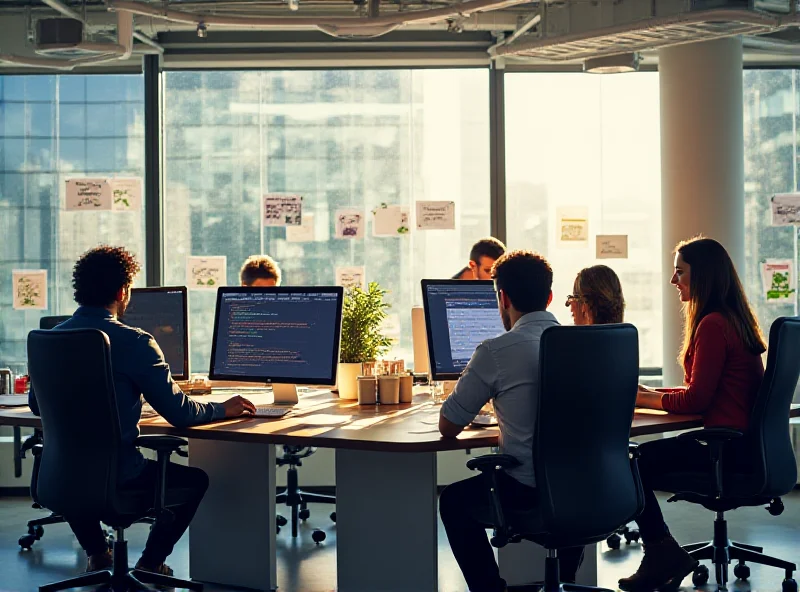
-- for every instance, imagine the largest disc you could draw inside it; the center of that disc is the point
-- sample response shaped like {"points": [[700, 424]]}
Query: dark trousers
{"points": [[192, 483], [671, 455], [465, 508]]}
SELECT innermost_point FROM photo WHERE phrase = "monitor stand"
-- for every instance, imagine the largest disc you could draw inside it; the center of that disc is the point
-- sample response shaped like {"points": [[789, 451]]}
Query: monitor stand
{"points": [[284, 394]]}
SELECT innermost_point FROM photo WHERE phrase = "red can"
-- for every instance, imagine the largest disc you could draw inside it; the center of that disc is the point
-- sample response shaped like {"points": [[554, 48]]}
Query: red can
{"points": [[21, 385]]}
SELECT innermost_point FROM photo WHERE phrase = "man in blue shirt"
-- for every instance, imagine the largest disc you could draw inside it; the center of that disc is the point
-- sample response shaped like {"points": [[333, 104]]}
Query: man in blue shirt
{"points": [[102, 280], [504, 369]]}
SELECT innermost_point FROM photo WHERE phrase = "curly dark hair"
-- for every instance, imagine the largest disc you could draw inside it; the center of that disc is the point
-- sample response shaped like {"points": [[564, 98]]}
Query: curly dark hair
{"points": [[526, 278], [599, 287], [100, 273], [259, 267]]}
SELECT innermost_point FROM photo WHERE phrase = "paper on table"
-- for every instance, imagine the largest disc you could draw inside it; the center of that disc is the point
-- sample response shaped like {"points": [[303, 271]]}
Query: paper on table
{"points": [[13, 400], [303, 233], [127, 194], [436, 215], [206, 273], [389, 220], [351, 276], [612, 246], [281, 209], [349, 223], [785, 209], [30, 289], [88, 195]]}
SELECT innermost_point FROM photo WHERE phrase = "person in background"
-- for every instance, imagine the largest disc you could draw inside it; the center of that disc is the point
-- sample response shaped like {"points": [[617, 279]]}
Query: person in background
{"points": [[260, 271], [721, 357], [504, 369], [481, 258], [102, 279], [596, 297]]}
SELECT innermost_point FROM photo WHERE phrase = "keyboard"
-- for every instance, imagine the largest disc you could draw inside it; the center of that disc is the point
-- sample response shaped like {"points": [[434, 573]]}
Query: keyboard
{"points": [[271, 411]]}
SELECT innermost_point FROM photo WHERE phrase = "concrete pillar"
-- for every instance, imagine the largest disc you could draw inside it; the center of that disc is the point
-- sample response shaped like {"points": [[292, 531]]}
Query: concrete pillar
{"points": [[702, 163]]}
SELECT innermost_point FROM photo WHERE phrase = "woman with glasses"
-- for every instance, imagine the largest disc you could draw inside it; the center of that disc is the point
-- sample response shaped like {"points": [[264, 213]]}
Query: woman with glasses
{"points": [[596, 297]]}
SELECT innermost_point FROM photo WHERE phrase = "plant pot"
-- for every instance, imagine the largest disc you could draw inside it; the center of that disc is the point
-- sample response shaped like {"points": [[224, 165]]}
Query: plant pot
{"points": [[347, 379]]}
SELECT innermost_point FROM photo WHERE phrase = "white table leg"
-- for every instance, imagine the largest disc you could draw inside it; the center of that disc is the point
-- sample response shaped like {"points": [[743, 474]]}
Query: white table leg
{"points": [[232, 536], [386, 521], [523, 563]]}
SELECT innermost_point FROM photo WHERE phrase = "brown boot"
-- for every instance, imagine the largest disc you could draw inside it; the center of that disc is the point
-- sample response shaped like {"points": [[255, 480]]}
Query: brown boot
{"points": [[663, 562], [100, 562]]}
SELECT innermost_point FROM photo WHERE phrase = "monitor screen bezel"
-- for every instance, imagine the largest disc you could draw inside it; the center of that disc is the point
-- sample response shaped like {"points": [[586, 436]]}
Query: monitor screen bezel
{"points": [[325, 381], [184, 296], [434, 373]]}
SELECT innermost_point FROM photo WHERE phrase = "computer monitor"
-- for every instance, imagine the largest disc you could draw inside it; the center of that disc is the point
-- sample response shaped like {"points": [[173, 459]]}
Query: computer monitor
{"points": [[162, 312], [459, 315], [279, 335], [51, 322]]}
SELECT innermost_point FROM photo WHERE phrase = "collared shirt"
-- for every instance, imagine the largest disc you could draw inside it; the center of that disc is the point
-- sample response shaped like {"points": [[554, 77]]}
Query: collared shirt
{"points": [[506, 369], [139, 369]]}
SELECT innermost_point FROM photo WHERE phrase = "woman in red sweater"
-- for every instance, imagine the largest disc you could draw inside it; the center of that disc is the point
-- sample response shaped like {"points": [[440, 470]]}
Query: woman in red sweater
{"points": [[722, 347]]}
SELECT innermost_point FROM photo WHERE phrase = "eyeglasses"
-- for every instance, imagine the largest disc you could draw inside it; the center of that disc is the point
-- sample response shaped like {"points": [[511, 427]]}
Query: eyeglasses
{"points": [[572, 298]]}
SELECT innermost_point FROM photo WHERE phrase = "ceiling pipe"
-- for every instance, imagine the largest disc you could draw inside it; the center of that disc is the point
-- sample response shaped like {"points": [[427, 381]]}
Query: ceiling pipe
{"points": [[335, 26]]}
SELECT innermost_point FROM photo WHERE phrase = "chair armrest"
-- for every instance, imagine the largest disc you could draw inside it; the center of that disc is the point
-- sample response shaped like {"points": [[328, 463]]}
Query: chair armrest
{"points": [[707, 435], [160, 443], [490, 462], [633, 450]]}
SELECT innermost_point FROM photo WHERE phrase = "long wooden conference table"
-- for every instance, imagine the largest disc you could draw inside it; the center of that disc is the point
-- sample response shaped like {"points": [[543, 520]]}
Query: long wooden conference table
{"points": [[386, 489]]}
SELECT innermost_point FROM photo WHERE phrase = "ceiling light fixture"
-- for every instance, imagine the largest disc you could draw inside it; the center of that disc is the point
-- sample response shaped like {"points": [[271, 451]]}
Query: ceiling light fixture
{"points": [[614, 64], [202, 30], [293, 4]]}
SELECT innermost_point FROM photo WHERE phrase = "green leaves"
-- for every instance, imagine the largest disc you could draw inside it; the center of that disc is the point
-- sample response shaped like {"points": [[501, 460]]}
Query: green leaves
{"points": [[363, 313]]}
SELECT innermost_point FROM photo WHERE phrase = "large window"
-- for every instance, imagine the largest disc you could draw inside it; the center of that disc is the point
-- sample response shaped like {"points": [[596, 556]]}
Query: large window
{"points": [[589, 143], [340, 139], [53, 128]]}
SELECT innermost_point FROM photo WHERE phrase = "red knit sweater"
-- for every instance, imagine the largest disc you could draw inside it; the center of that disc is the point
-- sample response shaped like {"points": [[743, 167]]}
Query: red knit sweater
{"points": [[722, 377]]}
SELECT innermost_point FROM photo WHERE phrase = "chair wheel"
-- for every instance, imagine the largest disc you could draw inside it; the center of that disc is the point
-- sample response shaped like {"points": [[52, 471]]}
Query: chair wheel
{"points": [[318, 536], [26, 541], [741, 571], [614, 541], [304, 514], [789, 585], [36, 531], [277, 529], [775, 507], [700, 576], [333, 516], [280, 520], [632, 535]]}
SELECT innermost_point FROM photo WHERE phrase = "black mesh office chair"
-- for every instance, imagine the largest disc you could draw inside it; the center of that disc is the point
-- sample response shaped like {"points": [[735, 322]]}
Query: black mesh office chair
{"points": [[71, 374], [773, 474], [295, 498], [587, 480]]}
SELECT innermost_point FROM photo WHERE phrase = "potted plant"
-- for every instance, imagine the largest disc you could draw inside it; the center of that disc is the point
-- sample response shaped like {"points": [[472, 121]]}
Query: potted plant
{"points": [[363, 313]]}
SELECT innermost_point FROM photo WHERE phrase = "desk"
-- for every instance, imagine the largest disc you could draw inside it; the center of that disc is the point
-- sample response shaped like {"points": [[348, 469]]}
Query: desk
{"points": [[385, 460]]}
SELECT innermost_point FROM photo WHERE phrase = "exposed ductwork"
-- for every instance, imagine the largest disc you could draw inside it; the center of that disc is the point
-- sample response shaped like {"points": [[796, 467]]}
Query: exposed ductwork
{"points": [[372, 26]]}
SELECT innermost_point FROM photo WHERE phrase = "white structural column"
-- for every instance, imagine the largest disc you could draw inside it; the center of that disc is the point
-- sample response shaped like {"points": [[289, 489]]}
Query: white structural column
{"points": [[702, 162]]}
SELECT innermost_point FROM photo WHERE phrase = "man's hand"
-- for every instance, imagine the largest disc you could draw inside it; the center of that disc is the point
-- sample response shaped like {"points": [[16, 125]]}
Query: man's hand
{"points": [[238, 406]]}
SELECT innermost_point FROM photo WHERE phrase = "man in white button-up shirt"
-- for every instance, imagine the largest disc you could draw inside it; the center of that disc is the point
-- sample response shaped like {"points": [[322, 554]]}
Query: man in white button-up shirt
{"points": [[504, 369]]}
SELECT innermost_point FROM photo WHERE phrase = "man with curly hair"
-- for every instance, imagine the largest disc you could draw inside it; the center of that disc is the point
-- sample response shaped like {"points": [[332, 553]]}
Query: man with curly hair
{"points": [[102, 280], [260, 271]]}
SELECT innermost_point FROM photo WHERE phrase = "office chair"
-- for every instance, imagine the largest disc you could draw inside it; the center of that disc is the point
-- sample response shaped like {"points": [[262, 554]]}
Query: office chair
{"points": [[773, 475], [71, 373], [587, 480], [294, 497]]}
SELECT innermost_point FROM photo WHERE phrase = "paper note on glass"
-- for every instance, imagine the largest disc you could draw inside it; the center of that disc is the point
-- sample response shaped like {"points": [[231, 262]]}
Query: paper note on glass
{"points": [[389, 220], [126, 194], [88, 195], [349, 223], [30, 289], [351, 276], [303, 233], [206, 273], [777, 280], [785, 209], [573, 225], [612, 246], [281, 209], [436, 215]]}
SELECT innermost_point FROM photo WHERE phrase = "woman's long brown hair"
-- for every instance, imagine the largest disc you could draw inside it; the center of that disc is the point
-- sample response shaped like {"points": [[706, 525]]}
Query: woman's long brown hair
{"points": [[714, 286], [601, 290]]}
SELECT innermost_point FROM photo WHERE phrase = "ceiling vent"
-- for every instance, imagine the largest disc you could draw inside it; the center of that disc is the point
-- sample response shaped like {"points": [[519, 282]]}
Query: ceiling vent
{"points": [[63, 38], [578, 31]]}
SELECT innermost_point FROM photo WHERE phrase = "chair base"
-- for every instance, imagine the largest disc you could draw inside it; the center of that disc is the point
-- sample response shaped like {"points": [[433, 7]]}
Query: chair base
{"points": [[297, 499], [721, 552], [121, 578], [552, 578]]}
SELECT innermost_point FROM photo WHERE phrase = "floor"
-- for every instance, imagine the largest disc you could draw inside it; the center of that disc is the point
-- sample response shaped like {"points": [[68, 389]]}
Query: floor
{"points": [[304, 566]]}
